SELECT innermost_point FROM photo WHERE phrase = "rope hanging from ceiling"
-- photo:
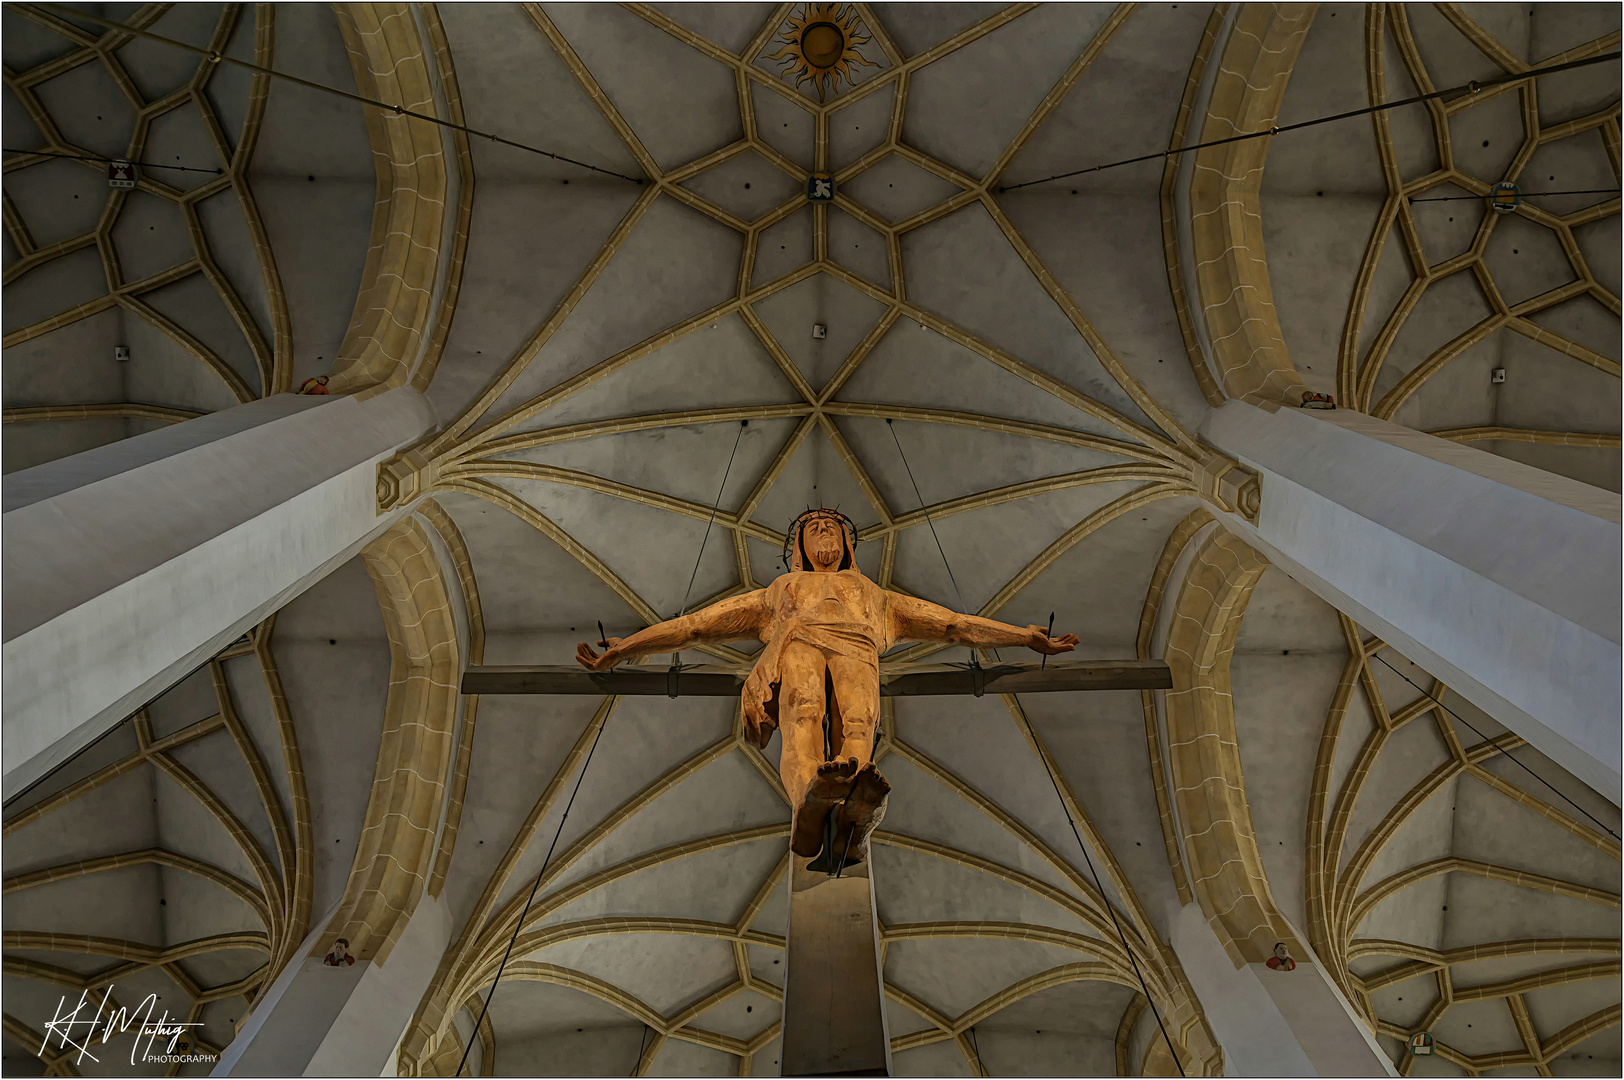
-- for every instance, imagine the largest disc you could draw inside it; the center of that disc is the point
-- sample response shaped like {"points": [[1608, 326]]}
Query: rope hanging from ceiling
{"points": [[398, 110], [1464, 90], [1043, 757]]}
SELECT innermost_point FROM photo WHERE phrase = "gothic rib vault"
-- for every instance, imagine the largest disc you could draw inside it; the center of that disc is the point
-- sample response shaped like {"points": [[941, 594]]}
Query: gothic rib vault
{"points": [[591, 347]]}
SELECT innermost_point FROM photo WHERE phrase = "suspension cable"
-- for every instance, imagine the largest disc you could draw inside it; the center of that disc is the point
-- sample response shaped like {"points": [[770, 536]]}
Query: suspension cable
{"points": [[399, 110], [1468, 88], [1032, 735], [94, 157], [519, 925], [1506, 754]]}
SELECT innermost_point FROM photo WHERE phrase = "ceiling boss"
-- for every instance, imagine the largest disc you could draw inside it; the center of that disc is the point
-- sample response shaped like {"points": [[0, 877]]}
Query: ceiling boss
{"points": [[821, 47], [825, 625]]}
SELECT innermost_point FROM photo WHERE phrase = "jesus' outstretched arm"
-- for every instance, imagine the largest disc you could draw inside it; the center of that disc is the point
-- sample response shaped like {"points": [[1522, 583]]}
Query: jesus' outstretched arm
{"points": [[732, 619], [913, 619]]}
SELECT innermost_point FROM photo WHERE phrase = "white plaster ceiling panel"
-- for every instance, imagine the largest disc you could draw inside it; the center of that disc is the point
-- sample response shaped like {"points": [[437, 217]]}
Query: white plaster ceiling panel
{"points": [[680, 102], [1445, 311], [859, 248], [1089, 1009], [746, 185], [678, 1058], [87, 107], [952, 463], [1526, 260], [1575, 164], [63, 283], [541, 585], [1337, 158], [741, 1016], [1462, 915], [814, 474], [783, 248], [195, 300], [665, 971], [858, 127], [926, 809], [157, 69], [64, 198], [307, 131], [1095, 745], [957, 380], [229, 88], [1451, 57], [968, 106], [159, 839], [957, 974], [515, 69], [528, 242], [180, 137], [687, 462], [187, 351], [1122, 295], [962, 266], [726, 795], [615, 529], [1431, 333], [897, 189], [719, 365], [1487, 137], [232, 247], [918, 27], [924, 888], [1448, 228], [732, 26], [518, 740], [979, 744], [675, 263], [1097, 122], [715, 885], [998, 541], [782, 123], [28, 44], [792, 315]]}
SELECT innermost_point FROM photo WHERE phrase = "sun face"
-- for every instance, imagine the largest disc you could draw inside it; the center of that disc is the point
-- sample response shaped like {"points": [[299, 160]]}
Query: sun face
{"points": [[821, 47]]}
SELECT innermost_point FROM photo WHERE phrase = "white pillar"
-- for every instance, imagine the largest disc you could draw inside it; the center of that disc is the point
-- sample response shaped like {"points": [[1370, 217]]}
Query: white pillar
{"points": [[316, 1020], [1500, 579], [128, 565], [1273, 1023]]}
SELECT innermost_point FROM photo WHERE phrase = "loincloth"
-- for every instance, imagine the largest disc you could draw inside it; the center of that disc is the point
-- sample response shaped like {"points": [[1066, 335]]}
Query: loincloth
{"points": [[845, 640]]}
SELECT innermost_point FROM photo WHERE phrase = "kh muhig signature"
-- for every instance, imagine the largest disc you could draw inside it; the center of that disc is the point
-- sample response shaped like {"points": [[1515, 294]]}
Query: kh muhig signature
{"points": [[67, 1025]]}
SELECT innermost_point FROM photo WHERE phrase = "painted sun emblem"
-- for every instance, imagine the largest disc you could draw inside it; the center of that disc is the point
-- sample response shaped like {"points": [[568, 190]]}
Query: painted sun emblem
{"points": [[821, 47]]}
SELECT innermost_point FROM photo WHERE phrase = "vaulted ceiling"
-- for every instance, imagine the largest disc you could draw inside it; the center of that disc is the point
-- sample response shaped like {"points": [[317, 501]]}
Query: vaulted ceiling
{"points": [[644, 381]]}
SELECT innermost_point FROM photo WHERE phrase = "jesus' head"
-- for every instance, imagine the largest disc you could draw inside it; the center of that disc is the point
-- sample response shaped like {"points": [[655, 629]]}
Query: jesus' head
{"points": [[822, 542]]}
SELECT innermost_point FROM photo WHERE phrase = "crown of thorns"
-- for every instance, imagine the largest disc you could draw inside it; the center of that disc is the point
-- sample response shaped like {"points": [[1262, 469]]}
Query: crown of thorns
{"points": [[792, 536]]}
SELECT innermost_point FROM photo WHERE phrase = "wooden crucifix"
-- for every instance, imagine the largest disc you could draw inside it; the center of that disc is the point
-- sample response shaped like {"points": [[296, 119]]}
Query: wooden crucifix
{"points": [[818, 683]]}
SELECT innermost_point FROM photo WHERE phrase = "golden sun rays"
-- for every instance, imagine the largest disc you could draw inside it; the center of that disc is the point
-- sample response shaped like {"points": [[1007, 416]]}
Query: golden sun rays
{"points": [[821, 47]]}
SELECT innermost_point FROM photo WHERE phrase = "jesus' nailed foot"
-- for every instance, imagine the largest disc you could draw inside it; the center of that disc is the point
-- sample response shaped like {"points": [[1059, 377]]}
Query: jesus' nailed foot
{"points": [[843, 806]]}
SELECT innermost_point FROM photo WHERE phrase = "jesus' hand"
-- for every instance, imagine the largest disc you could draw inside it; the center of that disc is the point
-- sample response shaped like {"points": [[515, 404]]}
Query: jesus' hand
{"points": [[1042, 643], [593, 661]]}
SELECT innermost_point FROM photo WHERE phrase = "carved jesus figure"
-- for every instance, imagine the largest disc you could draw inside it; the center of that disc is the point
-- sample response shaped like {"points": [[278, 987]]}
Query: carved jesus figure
{"points": [[825, 625]]}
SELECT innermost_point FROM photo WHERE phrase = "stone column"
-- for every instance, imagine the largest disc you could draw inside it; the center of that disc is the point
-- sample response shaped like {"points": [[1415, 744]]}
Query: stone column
{"points": [[128, 565], [1500, 579]]}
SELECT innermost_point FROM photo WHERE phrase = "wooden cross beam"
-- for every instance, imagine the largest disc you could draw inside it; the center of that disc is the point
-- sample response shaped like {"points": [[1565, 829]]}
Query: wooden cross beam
{"points": [[834, 1021], [905, 680]]}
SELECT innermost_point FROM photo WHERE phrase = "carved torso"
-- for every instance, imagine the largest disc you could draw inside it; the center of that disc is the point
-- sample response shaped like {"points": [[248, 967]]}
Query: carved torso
{"points": [[840, 614]]}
